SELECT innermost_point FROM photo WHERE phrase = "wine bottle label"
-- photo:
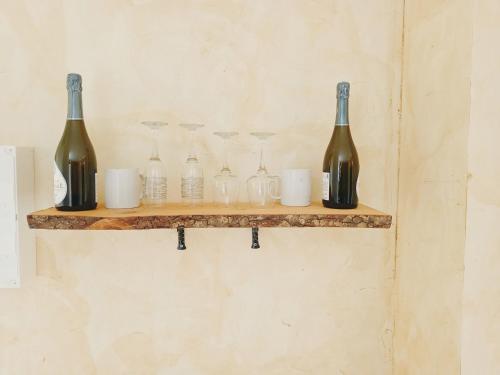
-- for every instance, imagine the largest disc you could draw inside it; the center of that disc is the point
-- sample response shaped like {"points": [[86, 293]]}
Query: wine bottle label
{"points": [[326, 186], [60, 186]]}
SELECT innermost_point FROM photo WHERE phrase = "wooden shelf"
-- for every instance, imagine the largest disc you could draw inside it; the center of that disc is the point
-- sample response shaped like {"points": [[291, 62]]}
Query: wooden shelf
{"points": [[208, 216]]}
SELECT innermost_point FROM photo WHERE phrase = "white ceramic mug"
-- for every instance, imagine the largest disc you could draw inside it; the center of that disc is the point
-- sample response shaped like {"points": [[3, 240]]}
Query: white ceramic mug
{"points": [[296, 187], [123, 188]]}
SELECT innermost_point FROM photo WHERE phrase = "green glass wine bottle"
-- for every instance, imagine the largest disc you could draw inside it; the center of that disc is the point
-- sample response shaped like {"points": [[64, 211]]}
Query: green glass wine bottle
{"points": [[75, 165], [341, 163]]}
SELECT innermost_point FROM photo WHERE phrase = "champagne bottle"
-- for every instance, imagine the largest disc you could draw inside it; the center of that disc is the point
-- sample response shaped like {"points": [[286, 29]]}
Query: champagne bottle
{"points": [[75, 166], [341, 164]]}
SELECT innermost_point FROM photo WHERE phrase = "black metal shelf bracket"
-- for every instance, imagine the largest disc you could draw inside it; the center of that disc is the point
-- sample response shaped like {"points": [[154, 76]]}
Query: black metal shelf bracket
{"points": [[181, 238], [255, 238], [181, 244]]}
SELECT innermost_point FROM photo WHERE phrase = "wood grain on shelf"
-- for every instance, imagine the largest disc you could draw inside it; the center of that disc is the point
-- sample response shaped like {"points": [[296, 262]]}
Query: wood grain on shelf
{"points": [[209, 216]]}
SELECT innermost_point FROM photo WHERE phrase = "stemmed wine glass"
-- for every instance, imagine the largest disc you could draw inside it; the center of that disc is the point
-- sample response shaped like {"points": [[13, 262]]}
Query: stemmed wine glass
{"points": [[226, 184], [192, 173], [263, 189], [155, 178]]}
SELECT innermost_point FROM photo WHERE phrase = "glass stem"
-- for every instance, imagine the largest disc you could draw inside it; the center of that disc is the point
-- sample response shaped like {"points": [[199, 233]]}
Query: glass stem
{"points": [[154, 149], [225, 164], [261, 162], [192, 152]]}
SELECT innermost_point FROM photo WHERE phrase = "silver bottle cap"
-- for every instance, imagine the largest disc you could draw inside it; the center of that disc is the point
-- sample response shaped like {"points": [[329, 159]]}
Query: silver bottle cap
{"points": [[343, 90], [74, 82]]}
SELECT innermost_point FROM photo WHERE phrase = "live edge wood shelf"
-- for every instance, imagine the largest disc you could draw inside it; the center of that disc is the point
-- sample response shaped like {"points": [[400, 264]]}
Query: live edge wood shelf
{"points": [[209, 216]]}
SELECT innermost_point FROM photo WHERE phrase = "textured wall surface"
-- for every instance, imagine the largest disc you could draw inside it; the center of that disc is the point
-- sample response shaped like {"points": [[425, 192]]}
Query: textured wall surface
{"points": [[481, 300], [312, 300], [432, 193]]}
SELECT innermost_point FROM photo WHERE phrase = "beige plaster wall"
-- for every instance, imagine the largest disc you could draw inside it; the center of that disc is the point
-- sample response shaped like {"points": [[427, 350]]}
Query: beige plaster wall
{"points": [[448, 281], [311, 301], [432, 192], [481, 298]]}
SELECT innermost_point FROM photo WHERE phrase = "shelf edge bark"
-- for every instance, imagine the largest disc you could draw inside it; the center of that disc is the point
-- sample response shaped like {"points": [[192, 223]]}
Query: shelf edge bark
{"points": [[141, 222]]}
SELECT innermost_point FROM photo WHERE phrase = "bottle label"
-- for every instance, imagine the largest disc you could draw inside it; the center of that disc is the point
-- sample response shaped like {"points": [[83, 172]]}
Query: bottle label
{"points": [[326, 186], [60, 186]]}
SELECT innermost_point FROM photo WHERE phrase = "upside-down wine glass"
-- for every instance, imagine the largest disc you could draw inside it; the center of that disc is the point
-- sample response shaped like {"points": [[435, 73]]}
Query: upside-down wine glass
{"points": [[226, 184], [263, 189]]}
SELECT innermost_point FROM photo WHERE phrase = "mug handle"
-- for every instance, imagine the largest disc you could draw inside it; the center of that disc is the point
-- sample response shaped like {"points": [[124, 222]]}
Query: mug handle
{"points": [[275, 185], [142, 179]]}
